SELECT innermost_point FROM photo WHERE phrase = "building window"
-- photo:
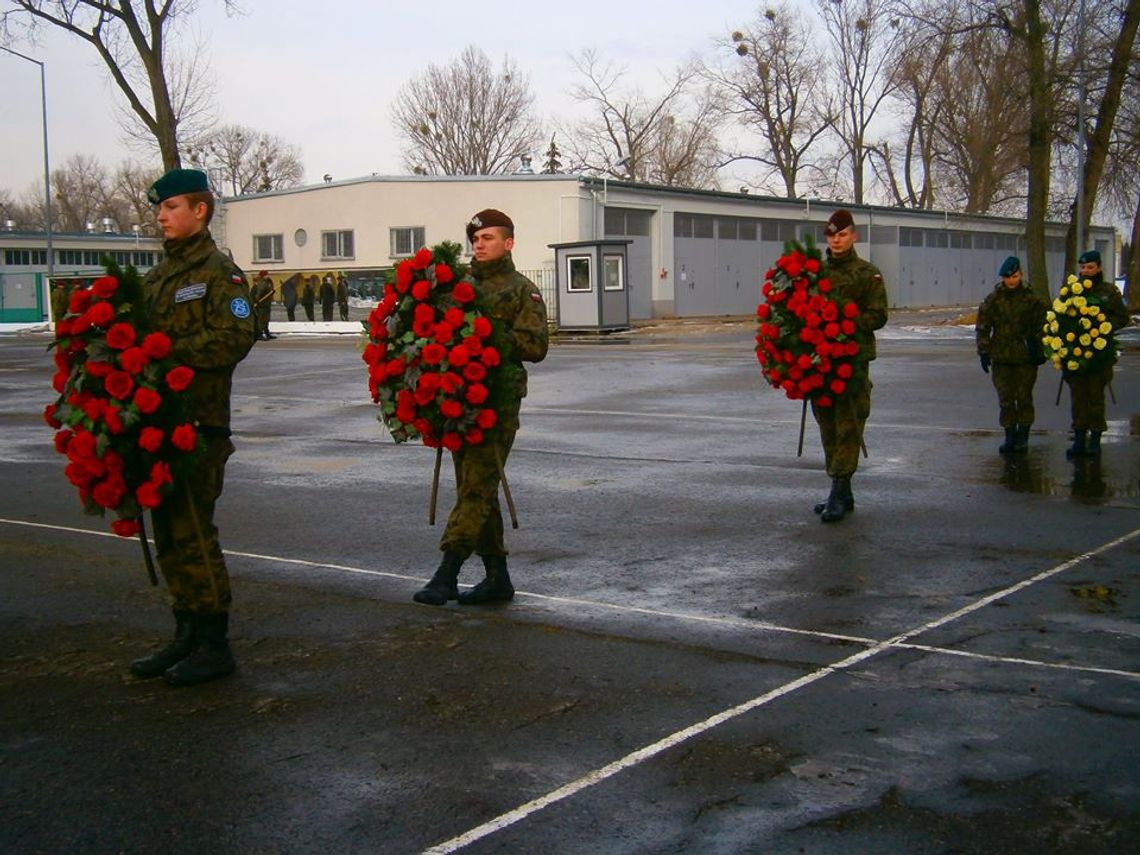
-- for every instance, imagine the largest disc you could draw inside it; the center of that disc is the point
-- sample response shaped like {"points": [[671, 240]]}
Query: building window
{"points": [[268, 248], [337, 245], [25, 257], [406, 240]]}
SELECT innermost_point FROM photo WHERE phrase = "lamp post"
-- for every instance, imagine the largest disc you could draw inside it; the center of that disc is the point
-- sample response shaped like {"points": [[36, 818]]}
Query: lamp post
{"points": [[47, 168]]}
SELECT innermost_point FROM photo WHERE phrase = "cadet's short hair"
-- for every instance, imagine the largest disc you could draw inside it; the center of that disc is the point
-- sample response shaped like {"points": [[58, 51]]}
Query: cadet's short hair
{"points": [[207, 198]]}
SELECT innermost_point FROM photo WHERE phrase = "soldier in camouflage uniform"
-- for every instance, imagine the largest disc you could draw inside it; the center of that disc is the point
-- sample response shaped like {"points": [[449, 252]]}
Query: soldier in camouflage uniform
{"points": [[476, 523], [841, 425], [1008, 334], [1086, 388], [200, 299], [262, 296]]}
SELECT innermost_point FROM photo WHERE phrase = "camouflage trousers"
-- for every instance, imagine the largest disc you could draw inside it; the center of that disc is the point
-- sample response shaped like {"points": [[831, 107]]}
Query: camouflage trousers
{"points": [[841, 429], [476, 523], [1086, 395], [1014, 384], [186, 539]]}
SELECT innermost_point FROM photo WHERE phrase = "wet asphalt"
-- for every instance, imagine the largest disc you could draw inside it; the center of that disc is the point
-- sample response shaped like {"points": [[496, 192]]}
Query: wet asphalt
{"points": [[693, 663]]}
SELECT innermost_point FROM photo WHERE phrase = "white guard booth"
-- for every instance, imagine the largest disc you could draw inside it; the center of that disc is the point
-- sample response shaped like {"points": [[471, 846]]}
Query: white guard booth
{"points": [[593, 294]]}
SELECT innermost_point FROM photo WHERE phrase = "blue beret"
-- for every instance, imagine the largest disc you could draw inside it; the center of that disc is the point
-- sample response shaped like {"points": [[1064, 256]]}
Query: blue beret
{"points": [[1089, 257], [1010, 266], [178, 182]]}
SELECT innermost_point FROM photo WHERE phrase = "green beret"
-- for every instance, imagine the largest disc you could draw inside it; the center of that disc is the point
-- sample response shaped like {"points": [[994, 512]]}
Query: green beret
{"points": [[488, 218], [839, 221], [178, 182], [1089, 257], [1010, 266]]}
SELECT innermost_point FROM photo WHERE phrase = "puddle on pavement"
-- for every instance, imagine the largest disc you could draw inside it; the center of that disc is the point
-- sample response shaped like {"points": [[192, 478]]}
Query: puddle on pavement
{"points": [[1088, 480]]}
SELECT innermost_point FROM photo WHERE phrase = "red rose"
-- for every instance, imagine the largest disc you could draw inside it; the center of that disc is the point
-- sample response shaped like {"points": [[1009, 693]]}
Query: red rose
{"points": [[838, 386], [79, 326], [851, 311], [463, 292], [423, 312], [824, 286], [157, 345], [473, 436], [373, 353], [830, 312], [179, 377], [845, 370], [147, 400], [423, 329], [404, 274], [429, 381], [423, 396], [473, 372], [763, 311], [59, 380], [112, 417], [125, 528], [454, 316], [395, 367], [831, 330], [160, 474], [422, 259], [421, 290], [811, 265], [482, 327], [50, 417], [184, 437], [486, 419], [444, 333], [433, 353], [489, 356], [450, 382], [150, 439], [105, 286], [80, 302], [848, 327], [452, 441], [100, 314], [118, 384], [77, 474], [109, 492], [443, 274], [476, 394], [451, 409], [148, 495], [406, 414], [134, 360], [422, 426], [98, 369], [458, 356], [473, 343], [121, 335], [61, 439]]}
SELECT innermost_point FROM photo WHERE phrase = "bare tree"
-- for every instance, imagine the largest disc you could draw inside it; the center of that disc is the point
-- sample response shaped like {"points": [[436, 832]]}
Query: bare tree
{"points": [[667, 139], [772, 82], [466, 118], [1121, 178], [242, 160], [130, 37], [866, 41], [128, 190], [79, 193]]}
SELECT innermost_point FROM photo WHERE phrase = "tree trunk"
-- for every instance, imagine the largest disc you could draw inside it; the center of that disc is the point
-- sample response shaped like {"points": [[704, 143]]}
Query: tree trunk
{"points": [[1040, 137], [1132, 272], [1097, 146]]}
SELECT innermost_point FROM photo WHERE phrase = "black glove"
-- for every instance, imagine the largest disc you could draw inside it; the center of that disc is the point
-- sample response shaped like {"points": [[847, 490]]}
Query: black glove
{"points": [[985, 360]]}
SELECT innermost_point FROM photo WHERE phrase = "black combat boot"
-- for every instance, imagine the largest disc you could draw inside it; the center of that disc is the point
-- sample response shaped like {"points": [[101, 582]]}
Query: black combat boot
{"points": [[1010, 444], [849, 498], [1079, 446], [441, 587], [496, 587], [179, 648], [1021, 439], [840, 502], [212, 657], [1092, 449]]}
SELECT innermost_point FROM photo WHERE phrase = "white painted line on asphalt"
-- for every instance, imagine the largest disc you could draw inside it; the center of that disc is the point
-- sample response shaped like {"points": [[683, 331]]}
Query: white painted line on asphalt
{"points": [[672, 740]]}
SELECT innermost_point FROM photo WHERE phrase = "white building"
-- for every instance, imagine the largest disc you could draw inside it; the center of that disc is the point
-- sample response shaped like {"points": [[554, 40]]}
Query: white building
{"points": [[691, 252]]}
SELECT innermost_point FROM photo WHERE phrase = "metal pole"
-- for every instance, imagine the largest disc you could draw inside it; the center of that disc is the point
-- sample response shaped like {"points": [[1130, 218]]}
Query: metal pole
{"points": [[47, 166], [1080, 236]]}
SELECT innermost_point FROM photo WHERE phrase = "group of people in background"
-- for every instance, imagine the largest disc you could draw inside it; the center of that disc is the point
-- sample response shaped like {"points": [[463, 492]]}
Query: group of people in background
{"points": [[330, 292], [1008, 333]]}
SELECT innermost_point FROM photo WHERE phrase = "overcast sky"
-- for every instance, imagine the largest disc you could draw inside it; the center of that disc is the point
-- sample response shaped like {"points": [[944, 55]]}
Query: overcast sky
{"points": [[322, 75]]}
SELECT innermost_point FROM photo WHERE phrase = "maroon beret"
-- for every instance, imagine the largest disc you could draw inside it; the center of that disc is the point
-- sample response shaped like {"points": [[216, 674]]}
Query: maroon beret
{"points": [[839, 221], [487, 218]]}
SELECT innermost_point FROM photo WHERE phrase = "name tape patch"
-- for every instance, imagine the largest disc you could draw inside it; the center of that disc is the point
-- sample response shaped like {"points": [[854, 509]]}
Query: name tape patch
{"points": [[190, 292]]}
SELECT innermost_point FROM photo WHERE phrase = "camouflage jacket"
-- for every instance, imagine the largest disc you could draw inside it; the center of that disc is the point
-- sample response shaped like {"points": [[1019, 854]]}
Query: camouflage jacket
{"points": [[514, 301], [858, 280], [1108, 297], [200, 298], [1008, 329]]}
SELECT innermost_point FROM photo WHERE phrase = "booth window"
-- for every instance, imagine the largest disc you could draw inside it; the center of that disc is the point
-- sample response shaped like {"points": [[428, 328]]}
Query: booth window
{"points": [[612, 264], [578, 273]]}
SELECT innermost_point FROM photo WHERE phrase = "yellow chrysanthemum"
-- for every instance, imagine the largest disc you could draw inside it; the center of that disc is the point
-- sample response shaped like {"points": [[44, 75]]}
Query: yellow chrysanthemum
{"points": [[1100, 316], [1088, 354], [1060, 307], [1105, 328], [1062, 351], [1100, 343], [1072, 278], [1078, 288], [1064, 292], [1054, 326], [1079, 302], [1077, 351], [1085, 323], [1056, 343], [1094, 333], [1070, 336], [1072, 366], [1085, 340]]}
